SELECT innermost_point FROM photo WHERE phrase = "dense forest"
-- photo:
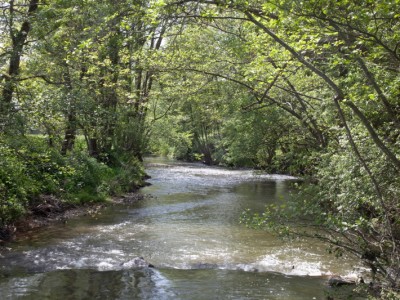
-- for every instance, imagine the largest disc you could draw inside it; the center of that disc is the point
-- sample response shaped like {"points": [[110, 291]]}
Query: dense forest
{"points": [[308, 88]]}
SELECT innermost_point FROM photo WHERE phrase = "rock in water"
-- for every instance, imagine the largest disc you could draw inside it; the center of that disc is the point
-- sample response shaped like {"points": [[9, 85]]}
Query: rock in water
{"points": [[339, 281], [203, 266], [137, 262]]}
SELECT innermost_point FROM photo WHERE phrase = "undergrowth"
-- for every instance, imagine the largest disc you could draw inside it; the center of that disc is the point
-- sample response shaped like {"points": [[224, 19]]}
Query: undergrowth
{"points": [[30, 168]]}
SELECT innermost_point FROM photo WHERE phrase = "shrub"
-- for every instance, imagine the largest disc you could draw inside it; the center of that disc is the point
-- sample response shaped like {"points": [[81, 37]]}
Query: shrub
{"points": [[29, 168], [16, 186]]}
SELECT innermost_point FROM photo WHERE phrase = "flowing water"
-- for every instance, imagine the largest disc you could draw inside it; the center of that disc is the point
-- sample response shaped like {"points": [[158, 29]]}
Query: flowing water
{"points": [[189, 229]]}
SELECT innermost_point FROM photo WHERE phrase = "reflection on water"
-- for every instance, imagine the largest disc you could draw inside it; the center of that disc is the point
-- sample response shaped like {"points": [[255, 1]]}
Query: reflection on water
{"points": [[161, 284], [189, 230]]}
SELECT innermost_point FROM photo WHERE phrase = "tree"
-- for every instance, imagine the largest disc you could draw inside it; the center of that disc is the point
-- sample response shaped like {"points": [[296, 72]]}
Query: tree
{"points": [[18, 27], [223, 52], [348, 54], [101, 74]]}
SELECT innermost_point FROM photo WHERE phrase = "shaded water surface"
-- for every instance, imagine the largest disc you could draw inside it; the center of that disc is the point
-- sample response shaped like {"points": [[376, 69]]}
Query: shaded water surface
{"points": [[189, 229]]}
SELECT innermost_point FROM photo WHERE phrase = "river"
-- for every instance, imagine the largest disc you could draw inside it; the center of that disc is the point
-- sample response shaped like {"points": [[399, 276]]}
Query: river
{"points": [[189, 229]]}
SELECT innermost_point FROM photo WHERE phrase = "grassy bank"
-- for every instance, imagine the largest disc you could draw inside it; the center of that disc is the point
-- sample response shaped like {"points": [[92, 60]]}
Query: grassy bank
{"points": [[37, 179]]}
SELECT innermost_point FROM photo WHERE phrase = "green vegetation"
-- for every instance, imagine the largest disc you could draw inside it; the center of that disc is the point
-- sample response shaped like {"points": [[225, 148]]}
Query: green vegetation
{"points": [[308, 88], [29, 169]]}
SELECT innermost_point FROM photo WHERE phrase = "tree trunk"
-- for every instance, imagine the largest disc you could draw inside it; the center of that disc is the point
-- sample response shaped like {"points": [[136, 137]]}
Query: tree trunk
{"points": [[70, 131], [18, 43], [70, 134], [93, 148]]}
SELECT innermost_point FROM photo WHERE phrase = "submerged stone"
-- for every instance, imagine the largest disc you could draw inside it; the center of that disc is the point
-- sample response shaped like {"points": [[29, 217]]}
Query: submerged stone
{"points": [[137, 262], [339, 281], [202, 266]]}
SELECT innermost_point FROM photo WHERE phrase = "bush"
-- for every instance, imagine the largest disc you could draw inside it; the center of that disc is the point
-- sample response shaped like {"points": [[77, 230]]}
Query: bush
{"points": [[29, 168], [128, 175], [16, 186]]}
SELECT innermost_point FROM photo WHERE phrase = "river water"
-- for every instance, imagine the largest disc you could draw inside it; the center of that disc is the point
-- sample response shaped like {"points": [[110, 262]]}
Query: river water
{"points": [[189, 229]]}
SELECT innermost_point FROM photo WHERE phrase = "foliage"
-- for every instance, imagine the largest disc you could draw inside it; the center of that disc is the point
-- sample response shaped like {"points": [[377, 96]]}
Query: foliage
{"points": [[15, 185], [301, 87], [29, 168], [73, 81], [327, 69]]}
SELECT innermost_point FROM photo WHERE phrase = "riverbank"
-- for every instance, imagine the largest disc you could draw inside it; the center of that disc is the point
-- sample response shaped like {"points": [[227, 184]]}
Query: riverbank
{"points": [[53, 210], [38, 182]]}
